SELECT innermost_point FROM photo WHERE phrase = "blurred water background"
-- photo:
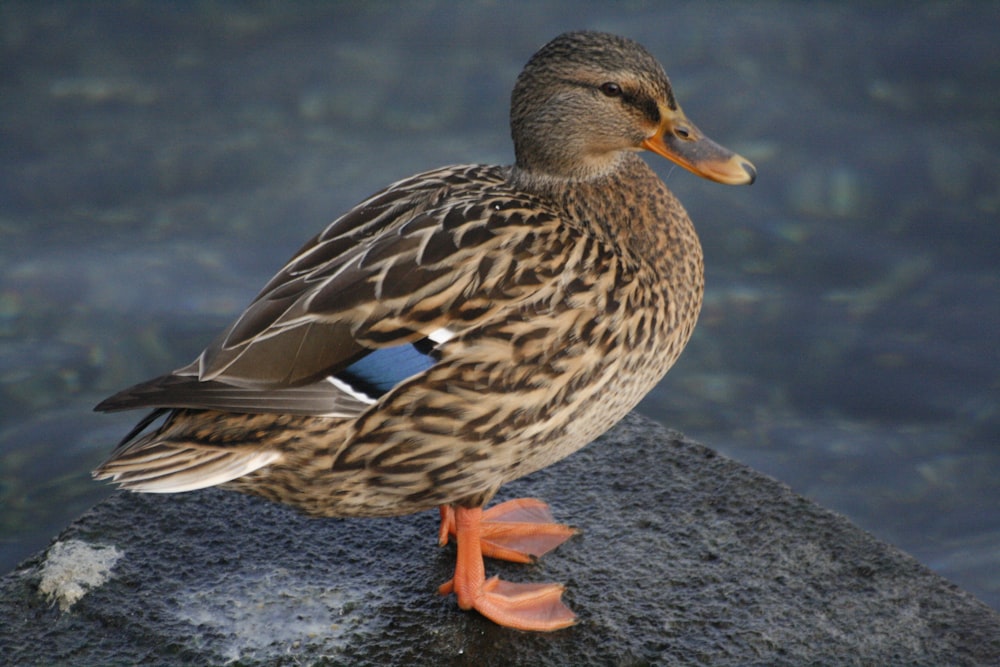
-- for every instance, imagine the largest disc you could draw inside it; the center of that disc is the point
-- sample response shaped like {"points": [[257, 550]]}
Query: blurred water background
{"points": [[160, 161]]}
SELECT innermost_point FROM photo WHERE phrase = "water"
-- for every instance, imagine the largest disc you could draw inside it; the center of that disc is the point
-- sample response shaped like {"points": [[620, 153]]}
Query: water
{"points": [[158, 164]]}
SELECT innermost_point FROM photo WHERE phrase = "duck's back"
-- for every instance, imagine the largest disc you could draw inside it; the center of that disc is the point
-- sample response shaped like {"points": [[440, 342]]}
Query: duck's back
{"points": [[546, 315]]}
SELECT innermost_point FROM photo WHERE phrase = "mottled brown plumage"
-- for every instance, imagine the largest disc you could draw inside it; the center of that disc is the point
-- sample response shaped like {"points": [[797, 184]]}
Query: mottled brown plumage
{"points": [[460, 329]]}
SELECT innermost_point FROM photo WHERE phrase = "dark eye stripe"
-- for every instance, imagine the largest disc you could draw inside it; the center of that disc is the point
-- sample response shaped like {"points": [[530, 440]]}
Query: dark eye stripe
{"points": [[647, 105]]}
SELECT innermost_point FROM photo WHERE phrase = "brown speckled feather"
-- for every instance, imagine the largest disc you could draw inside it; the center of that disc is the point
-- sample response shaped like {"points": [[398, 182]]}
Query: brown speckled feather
{"points": [[566, 319], [547, 298]]}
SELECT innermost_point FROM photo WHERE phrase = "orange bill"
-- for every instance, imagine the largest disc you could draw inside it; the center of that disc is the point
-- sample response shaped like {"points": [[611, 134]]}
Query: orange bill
{"points": [[678, 140]]}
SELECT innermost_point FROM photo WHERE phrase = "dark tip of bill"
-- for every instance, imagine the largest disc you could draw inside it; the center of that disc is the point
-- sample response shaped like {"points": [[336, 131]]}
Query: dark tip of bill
{"points": [[750, 170]]}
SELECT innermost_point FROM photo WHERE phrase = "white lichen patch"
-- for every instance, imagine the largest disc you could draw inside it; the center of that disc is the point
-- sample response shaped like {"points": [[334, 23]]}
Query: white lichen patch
{"points": [[73, 568]]}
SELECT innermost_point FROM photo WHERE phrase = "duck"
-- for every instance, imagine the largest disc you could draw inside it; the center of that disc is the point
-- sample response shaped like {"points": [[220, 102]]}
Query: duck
{"points": [[458, 330]]}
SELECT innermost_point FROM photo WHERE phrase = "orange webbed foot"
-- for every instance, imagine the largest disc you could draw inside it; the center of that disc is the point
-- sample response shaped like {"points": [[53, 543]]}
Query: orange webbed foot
{"points": [[521, 606], [517, 530], [536, 607]]}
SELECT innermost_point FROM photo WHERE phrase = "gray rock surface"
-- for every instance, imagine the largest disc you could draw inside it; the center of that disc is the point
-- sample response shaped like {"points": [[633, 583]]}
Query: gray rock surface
{"points": [[685, 557]]}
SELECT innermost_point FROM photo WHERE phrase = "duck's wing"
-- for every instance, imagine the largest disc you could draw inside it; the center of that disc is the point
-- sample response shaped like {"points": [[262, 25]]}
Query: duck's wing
{"points": [[368, 302]]}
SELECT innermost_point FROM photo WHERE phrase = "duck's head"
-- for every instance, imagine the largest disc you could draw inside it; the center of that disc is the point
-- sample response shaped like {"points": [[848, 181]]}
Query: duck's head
{"points": [[587, 98]]}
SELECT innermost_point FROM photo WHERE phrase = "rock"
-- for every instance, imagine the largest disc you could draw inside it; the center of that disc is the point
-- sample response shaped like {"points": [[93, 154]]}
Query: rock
{"points": [[685, 557]]}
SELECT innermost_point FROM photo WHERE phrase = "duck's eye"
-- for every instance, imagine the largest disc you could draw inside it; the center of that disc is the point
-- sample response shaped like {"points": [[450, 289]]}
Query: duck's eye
{"points": [[611, 89]]}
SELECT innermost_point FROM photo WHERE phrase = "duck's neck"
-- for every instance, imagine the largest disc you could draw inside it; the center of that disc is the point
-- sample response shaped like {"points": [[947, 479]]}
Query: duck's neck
{"points": [[629, 206], [545, 177]]}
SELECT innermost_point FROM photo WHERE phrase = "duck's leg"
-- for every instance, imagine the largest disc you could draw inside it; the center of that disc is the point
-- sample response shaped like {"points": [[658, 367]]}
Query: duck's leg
{"points": [[518, 530], [519, 606]]}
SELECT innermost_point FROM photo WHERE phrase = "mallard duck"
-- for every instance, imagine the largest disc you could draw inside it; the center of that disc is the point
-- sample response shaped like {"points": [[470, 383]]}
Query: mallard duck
{"points": [[458, 330]]}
